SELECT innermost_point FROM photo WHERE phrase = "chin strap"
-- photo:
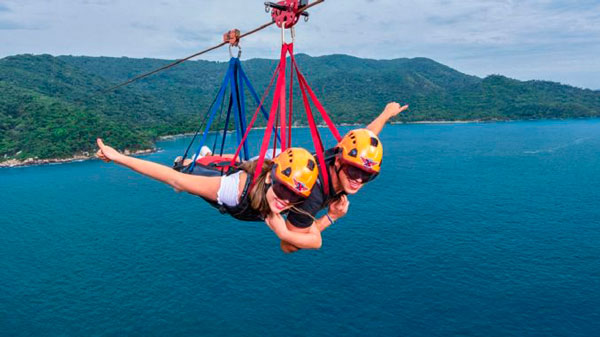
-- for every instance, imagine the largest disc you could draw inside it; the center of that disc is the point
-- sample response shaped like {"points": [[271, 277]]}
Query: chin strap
{"points": [[337, 175], [337, 171]]}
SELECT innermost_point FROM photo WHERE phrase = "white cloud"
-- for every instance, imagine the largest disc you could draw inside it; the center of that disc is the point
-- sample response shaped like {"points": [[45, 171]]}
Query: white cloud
{"points": [[543, 39]]}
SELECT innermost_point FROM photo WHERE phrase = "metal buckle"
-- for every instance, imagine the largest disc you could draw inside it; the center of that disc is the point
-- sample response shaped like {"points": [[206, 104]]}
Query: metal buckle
{"points": [[239, 53]]}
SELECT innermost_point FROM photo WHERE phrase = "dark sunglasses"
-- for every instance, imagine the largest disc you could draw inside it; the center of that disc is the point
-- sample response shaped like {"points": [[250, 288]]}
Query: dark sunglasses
{"points": [[285, 193], [354, 173]]}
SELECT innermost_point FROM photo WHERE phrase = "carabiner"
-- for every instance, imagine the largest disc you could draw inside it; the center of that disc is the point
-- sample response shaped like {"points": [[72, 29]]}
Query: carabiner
{"points": [[239, 54], [292, 33]]}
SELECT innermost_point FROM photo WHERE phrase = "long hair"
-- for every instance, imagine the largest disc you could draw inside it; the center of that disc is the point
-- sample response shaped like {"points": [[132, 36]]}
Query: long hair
{"points": [[258, 193]]}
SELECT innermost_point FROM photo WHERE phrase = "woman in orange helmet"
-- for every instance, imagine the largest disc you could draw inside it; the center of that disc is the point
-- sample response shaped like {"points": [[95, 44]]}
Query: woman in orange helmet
{"points": [[355, 161], [284, 182]]}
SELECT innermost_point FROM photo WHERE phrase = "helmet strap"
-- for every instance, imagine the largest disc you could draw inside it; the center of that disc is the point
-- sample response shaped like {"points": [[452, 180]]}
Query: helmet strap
{"points": [[337, 169]]}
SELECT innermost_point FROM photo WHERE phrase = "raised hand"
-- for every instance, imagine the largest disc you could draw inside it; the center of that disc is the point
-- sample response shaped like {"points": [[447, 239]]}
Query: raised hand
{"points": [[339, 208], [106, 153], [393, 109]]}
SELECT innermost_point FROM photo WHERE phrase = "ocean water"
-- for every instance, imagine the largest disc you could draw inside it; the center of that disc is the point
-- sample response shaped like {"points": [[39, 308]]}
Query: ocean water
{"points": [[470, 230]]}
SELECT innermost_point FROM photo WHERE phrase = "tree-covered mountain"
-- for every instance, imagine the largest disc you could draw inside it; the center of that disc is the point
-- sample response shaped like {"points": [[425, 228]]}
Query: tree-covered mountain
{"points": [[50, 106]]}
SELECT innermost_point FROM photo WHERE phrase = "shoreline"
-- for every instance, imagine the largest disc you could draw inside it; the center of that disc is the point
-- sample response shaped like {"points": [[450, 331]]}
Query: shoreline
{"points": [[468, 121], [12, 163]]}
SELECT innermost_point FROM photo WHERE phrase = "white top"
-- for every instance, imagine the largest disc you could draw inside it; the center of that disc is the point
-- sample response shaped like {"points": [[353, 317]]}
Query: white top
{"points": [[228, 193]]}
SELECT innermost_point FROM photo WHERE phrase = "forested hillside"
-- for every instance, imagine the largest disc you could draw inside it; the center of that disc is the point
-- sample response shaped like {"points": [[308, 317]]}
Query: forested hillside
{"points": [[48, 108]]}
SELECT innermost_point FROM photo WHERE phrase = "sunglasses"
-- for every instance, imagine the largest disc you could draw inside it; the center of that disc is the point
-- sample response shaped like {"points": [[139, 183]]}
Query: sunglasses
{"points": [[285, 193], [354, 173]]}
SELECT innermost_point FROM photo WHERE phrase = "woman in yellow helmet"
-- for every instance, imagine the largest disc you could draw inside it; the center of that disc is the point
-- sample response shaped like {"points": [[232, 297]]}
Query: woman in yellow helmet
{"points": [[284, 182]]}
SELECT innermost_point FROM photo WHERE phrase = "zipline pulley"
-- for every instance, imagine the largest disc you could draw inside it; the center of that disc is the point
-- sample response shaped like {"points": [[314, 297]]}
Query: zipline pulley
{"points": [[286, 13], [232, 37]]}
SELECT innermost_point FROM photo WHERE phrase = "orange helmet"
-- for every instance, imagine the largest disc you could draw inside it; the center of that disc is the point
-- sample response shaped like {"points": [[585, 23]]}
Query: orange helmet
{"points": [[361, 148], [297, 169]]}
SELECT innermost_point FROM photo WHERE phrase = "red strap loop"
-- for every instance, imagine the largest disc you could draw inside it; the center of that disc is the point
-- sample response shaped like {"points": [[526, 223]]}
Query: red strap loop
{"points": [[278, 112], [280, 84]]}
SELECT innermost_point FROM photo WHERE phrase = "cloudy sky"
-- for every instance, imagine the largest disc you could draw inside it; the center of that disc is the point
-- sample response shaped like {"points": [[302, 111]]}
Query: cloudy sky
{"points": [[527, 39]]}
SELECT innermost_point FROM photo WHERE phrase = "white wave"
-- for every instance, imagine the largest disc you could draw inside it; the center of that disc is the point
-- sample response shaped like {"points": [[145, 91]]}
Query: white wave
{"points": [[577, 141]]}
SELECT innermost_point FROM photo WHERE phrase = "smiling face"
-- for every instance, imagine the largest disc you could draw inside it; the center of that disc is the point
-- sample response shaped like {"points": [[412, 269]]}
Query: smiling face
{"points": [[350, 186], [352, 178], [359, 159], [282, 200], [276, 204]]}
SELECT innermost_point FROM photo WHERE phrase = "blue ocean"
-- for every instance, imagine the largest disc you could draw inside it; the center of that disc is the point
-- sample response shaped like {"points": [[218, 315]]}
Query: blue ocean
{"points": [[488, 229]]}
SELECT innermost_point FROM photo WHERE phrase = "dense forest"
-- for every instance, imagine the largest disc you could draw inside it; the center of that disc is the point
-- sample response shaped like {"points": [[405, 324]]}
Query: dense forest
{"points": [[50, 106]]}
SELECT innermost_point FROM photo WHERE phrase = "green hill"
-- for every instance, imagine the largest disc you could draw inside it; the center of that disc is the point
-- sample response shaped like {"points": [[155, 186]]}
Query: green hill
{"points": [[36, 125], [47, 109]]}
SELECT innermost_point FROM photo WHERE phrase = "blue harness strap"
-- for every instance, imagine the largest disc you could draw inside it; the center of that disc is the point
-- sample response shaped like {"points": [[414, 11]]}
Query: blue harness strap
{"points": [[226, 127], [237, 81], [253, 93], [213, 112], [242, 100], [237, 113]]}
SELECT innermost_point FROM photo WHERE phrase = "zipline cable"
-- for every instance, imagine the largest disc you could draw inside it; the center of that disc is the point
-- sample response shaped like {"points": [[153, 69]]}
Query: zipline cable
{"points": [[175, 63]]}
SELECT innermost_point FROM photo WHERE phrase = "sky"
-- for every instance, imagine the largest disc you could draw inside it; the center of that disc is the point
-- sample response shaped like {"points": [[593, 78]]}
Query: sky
{"points": [[555, 40]]}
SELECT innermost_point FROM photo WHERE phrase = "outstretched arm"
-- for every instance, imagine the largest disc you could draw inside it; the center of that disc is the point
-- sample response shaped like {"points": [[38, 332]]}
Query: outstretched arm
{"points": [[203, 186], [391, 110], [309, 238]]}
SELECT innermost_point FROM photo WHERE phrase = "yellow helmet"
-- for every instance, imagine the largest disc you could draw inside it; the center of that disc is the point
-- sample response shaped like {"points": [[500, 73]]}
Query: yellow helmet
{"points": [[362, 148], [297, 169]]}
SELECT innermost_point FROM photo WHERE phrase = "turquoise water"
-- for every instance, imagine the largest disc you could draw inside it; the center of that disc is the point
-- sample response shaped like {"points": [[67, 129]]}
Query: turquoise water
{"points": [[471, 230]]}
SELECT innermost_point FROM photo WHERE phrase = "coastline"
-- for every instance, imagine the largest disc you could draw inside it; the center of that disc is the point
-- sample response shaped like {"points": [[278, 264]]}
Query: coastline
{"points": [[468, 121], [12, 163]]}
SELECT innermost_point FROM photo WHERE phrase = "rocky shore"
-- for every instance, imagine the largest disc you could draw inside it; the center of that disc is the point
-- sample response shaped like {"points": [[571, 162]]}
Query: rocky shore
{"points": [[87, 156], [79, 157]]}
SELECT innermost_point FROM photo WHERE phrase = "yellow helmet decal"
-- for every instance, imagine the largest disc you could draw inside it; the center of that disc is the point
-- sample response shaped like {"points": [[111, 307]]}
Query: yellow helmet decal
{"points": [[363, 149], [297, 169]]}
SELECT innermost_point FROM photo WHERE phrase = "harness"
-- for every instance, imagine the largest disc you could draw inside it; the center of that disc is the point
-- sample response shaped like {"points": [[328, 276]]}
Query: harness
{"points": [[214, 166]]}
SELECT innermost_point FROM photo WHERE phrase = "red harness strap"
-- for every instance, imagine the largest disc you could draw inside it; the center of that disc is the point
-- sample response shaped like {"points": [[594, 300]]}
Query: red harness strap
{"points": [[279, 103], [291, 109], [279, 91], [316, 102], [282, 115], [316, 136], [253, 120]]}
